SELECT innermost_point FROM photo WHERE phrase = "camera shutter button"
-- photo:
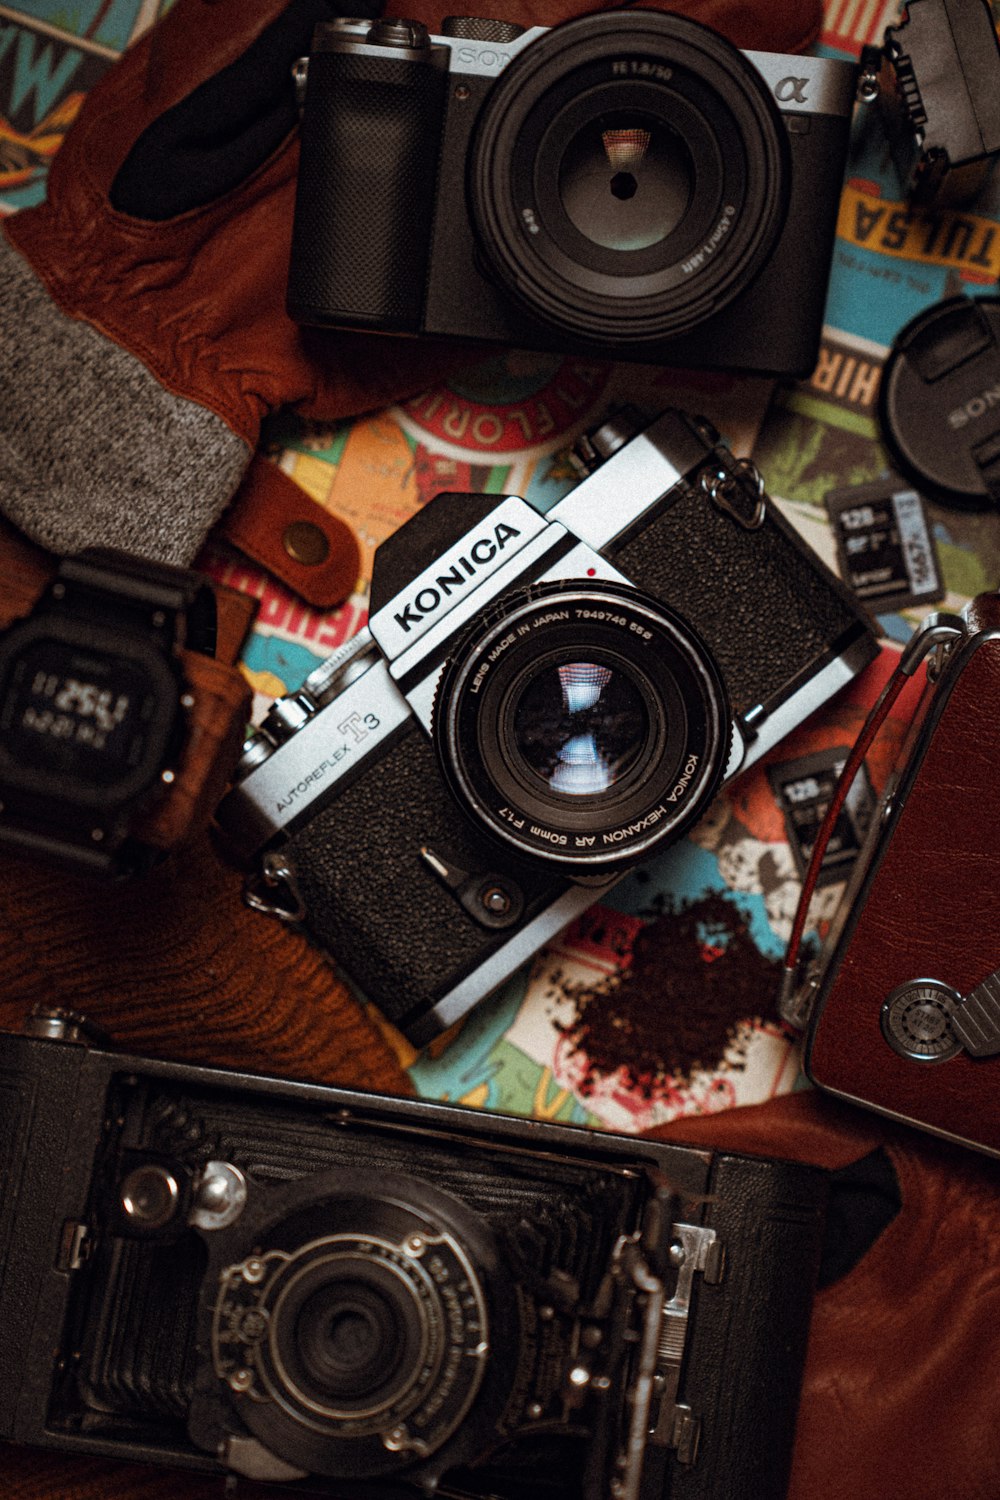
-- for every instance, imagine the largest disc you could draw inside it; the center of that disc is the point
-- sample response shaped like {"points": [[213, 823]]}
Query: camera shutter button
{"points": [[409, 35]]}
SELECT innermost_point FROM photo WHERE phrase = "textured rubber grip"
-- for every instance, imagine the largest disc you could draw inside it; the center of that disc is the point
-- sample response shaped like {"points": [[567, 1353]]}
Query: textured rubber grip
{"points": [[370, 143]]}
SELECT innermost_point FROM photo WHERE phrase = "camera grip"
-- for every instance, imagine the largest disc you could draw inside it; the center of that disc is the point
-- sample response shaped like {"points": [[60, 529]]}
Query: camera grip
{"points": [[364, 205], [749, 1331]]}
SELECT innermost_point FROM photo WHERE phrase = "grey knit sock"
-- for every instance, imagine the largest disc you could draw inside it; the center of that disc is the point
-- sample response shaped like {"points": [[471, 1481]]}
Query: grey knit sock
{"points": [[93, 450]]}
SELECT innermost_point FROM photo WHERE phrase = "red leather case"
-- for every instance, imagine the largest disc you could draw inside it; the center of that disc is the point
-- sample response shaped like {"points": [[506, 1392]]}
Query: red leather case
{"points": [[925, 905]]}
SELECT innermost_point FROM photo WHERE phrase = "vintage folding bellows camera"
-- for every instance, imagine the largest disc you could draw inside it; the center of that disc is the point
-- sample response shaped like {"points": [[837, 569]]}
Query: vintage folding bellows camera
{"points": [[902, 1007], [540, 701], [377, 1299], [628, 183]]}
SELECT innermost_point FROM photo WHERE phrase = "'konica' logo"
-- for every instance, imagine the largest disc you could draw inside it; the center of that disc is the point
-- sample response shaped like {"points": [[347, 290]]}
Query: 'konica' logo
{"points": [[473, 560]]}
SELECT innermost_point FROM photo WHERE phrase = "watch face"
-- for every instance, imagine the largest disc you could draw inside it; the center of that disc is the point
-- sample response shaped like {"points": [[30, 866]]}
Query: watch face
{"points": [[81, 720]]}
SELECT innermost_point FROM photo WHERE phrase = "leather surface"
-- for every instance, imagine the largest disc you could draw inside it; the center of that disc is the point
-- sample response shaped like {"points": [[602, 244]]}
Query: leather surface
{"points": [[267, 503], [930, 910], [748, 1335]]}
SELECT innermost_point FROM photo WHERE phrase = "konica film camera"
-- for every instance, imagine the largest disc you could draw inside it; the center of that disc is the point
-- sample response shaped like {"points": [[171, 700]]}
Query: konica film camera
{"points": [[628, 183], [376, 1299], [538, 703], [902, 1006]]}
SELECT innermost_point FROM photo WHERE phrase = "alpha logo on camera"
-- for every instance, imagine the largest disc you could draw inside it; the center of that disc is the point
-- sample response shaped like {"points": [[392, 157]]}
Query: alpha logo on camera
{"points": [[481, 553], [791, 90]]}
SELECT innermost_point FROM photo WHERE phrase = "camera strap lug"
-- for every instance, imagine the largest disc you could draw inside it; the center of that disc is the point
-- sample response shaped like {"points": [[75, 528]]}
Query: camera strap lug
{"points": [[274, 890], [730, 487], [74, 1246]]}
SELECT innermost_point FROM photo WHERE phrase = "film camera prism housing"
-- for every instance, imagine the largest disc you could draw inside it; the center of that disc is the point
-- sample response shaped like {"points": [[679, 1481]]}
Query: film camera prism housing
{"points": [[538, 703], [627, 183], [375, 1296], [902, 1007]]}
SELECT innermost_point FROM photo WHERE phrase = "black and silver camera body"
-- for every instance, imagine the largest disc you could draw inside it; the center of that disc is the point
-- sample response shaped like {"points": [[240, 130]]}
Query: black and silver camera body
{"points": [[368, 1296], [627, 183], [539, 702]]}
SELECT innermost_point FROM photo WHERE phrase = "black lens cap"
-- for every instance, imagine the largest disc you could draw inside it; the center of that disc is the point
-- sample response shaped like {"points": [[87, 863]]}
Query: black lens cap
{"points": [[939, 401]]}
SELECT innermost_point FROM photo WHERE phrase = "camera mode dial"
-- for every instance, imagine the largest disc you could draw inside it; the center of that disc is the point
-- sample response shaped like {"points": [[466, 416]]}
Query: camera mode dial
{"points": [[480, 29]]}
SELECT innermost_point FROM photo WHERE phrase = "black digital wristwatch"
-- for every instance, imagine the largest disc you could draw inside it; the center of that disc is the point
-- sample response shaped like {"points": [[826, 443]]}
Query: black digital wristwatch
{"points": [[93, 704]]}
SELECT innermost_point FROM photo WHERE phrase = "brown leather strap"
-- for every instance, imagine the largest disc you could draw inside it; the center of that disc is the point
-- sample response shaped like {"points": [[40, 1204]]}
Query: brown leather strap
{"points": [[279, 526], [26, 568]]}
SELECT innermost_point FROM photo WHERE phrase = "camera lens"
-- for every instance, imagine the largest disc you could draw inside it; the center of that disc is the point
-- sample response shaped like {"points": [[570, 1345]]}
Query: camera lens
{"points": [[583, 724], [363, 1331], [628, 176], [352, 1333]]}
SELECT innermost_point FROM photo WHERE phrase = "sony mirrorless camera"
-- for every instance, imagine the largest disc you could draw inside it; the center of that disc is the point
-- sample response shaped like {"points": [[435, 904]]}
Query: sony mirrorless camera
{"points": [[377, 1299], [627, 183], [902, 1006], [539, 702]]}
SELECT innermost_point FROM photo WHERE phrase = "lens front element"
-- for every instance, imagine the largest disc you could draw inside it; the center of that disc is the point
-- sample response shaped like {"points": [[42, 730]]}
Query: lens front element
{"points": [[579, 727], [582, 724], [625, 181]]}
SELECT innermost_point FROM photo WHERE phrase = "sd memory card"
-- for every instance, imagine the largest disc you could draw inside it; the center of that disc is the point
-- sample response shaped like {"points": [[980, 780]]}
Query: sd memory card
{"points": [[802, 789], [885, 546]]}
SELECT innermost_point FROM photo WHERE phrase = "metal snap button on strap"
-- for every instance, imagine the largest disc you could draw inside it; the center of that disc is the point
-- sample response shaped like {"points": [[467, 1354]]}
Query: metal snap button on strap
{"points": [[305, 543]]}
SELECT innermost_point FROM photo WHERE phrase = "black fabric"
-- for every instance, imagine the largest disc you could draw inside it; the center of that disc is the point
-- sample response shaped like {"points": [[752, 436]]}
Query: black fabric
{"points": [[228, 126], [864, 1200]]}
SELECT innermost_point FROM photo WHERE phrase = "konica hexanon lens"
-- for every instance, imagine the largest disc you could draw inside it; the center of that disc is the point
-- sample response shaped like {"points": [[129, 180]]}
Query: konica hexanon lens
{"points": [[628, 176], [583, 724]]}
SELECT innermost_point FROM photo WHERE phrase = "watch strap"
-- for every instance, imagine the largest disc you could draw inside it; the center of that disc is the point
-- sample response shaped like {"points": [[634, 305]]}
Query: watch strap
{"points": [[175, 606]]}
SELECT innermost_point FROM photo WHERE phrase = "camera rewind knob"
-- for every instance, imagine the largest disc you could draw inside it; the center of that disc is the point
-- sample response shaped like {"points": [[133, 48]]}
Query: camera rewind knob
{"points": [[54, 1024]]}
